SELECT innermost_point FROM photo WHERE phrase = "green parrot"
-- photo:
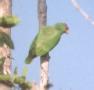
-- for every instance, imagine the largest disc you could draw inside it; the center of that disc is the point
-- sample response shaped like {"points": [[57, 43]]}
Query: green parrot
{"points": [[8, 21], [6, 39], [47, 38]]}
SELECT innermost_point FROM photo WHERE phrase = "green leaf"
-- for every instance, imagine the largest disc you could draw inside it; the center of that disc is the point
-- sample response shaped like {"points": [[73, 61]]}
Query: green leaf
{"points": [[25, 71], [6, 39], [16, 71], [9, 21]]}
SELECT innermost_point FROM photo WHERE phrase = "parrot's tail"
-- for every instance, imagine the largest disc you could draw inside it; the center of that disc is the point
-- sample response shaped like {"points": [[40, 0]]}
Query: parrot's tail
{"points": [[29, 59]]}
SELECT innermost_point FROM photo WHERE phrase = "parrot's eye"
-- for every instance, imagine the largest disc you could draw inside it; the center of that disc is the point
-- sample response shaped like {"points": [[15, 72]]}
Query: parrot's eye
{"points": [[66, 27]]}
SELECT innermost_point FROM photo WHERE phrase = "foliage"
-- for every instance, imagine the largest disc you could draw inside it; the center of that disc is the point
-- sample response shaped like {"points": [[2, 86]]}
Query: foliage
{"points": [[8, 21], [15, 79], [11, 80], [6, 39]]}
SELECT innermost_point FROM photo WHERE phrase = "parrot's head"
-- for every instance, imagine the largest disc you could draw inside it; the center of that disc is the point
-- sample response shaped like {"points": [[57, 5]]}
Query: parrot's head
{"points": [[62, 27]]}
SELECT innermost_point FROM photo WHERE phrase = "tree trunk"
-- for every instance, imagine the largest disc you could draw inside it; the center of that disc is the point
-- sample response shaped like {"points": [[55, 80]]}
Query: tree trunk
{"points": [[5, 9], [42, 16]]}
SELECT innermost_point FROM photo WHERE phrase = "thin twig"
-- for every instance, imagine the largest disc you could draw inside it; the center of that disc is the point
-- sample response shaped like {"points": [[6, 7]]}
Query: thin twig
{"points": [[82, 12]]}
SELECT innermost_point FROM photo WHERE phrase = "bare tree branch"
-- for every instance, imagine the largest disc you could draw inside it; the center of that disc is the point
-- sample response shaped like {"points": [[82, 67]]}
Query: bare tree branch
{"points": [[42, 16], [5, 9], [82, 12]]}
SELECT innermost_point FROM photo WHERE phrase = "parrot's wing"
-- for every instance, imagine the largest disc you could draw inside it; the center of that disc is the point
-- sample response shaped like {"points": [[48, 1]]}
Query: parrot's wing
{"points": [[5, 38], [47, 39], [36, 44], [32, 50], [33, 43]]}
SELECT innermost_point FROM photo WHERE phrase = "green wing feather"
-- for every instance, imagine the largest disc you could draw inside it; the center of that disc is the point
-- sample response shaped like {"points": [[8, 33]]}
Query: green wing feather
{"points": [[48, 38], [5, 38], [32, 52]]}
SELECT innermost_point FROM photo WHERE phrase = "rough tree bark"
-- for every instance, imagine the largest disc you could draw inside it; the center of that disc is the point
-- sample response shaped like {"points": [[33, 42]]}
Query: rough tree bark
{"points": [[42, 16], [5, 9]]}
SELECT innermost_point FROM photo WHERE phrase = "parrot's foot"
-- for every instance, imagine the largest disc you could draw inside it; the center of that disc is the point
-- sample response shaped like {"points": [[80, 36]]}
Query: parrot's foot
{"points": [[45, 57]]}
